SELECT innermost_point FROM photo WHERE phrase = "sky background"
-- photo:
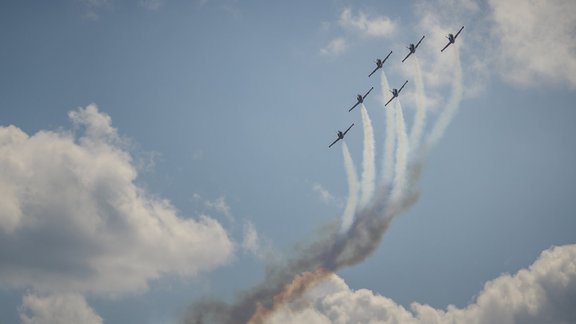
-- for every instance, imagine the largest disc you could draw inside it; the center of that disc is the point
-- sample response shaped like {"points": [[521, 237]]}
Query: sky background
{"points": [[158, 152]]}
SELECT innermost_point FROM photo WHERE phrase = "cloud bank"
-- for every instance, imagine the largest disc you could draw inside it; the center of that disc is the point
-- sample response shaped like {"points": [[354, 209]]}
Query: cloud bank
{"points": [[543, 293], [73, 220], [57, 309], [526, 43], [335, 47], [536, 39]]}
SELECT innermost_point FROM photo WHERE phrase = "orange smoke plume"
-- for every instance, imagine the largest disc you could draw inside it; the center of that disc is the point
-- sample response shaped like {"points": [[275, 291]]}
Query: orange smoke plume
{"points": [[301, 283]]}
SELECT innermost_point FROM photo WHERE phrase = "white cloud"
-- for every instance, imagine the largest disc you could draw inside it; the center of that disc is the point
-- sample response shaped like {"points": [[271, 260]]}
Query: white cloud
{"points": [[72, 218], [543, 293], [357, 25], [57, 309], [537, 40], [146, 161], [527, 43], [375, 27], [251, 242], [324, 195], [259, 247], [220, 206], [335, 47]]}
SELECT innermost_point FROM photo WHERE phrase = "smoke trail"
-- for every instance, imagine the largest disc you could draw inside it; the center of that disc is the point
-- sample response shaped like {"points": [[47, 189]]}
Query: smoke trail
{"points": [[401, 155], [290, 292], [420, 116], [388, 163], [368, 159], [452, 106], [330, 250], [352, 189]]}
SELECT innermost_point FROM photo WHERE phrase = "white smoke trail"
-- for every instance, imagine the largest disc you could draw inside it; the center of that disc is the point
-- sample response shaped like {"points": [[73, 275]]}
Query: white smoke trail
{"points": [[368, 173], [452, 106], [420, 117], [388, 161], [348, 215], [401, 155]]}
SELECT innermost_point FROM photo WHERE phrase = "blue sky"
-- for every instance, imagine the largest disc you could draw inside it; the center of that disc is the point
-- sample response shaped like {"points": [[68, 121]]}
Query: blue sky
{"points": [[158, 153]]}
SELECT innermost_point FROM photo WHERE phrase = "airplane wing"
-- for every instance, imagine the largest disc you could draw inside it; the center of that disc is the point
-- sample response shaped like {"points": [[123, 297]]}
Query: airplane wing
{"points": [[402, 87], [406, 57], [376, 69], [389, 101], [442, 50], [387, 56], [364, 97], [329, 146], [354, 106], [420, 41], [458, 33], [346, 131]]}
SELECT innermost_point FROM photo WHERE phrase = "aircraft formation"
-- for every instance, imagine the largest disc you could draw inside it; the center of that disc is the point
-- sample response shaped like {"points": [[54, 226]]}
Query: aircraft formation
{"points": [[395, 92]]}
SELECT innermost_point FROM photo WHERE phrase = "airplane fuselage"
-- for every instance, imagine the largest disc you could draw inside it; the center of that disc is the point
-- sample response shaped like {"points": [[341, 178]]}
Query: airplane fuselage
{"points": [[412, 48], [341, 135], [451, 39], [359, 98]]}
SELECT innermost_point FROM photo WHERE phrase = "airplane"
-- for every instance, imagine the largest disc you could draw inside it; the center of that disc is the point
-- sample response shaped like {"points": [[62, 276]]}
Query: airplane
{"points": [[360, 99], [451, 39], [340, 135], [379, 64], [395, 93], [413, 48]]}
